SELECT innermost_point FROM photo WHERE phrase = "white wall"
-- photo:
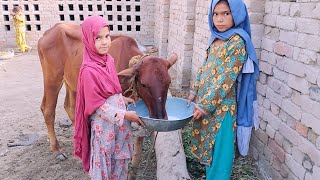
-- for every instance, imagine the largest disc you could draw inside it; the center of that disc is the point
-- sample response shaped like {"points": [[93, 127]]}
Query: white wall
{"points": [[131, 17]]}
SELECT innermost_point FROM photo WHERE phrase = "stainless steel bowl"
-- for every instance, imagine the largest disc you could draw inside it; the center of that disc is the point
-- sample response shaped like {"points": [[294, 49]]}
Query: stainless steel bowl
{"points": [[178, 115]]}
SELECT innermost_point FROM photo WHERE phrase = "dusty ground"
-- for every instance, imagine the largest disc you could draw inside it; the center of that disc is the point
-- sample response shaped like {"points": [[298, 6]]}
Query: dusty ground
{"points": [[20, 97], [21, 93]]}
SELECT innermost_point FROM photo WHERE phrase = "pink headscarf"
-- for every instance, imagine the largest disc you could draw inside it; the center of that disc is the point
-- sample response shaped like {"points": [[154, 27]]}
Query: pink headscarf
{"points": [[97, 81]]}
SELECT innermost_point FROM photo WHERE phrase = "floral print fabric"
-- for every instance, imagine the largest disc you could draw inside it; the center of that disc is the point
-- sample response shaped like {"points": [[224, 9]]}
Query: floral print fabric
{"points": [[111, 141], [215, 87]]}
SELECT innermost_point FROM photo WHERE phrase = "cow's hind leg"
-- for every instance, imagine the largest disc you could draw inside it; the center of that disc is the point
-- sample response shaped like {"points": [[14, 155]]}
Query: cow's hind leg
{"points": [[48, 108], [70, 102]]}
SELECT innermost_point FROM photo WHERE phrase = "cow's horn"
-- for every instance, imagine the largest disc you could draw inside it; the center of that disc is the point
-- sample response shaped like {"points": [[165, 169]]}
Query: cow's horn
{"points": [[126, 72], [172, 59], [127, 75]]}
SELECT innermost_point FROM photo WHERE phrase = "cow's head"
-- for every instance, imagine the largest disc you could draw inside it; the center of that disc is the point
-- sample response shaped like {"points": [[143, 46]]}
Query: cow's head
{"points": [[152, 82]]}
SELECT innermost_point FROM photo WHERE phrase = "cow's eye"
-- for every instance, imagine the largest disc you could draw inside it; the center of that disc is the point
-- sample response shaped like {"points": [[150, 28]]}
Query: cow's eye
{"points": [[143, 85]]}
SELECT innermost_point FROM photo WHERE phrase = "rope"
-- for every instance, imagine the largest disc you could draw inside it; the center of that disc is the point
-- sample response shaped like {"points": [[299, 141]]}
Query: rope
{"points": [[133, 61], [132, 89]]}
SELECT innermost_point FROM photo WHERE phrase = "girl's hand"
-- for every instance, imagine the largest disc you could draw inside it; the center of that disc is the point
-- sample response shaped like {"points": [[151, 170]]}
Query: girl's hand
{"points": [[197, 114], [190, 98], [133, 117], [128, 101]]}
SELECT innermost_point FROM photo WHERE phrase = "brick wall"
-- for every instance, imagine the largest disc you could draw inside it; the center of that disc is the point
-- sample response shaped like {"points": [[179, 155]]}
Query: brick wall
{"points": [[181, 32], [161, 30], [287, 143], [201, 36], [131, 17], [286, 36]]}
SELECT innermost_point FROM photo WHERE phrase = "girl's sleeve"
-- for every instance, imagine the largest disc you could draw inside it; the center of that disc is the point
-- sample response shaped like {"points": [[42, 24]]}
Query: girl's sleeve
{"points": [[225, 75], [111, 113]]}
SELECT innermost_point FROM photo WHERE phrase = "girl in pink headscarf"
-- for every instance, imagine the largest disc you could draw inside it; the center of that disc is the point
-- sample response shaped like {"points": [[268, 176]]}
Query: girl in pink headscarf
{"points": [[102, 134]]}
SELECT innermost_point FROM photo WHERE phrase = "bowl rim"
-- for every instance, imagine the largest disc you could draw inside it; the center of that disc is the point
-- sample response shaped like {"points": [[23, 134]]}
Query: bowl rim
{"points": [[165, 120]]}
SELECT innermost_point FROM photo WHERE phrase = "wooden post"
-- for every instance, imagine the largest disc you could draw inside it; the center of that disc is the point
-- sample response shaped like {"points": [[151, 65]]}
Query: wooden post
{"points": [[171, 159]]}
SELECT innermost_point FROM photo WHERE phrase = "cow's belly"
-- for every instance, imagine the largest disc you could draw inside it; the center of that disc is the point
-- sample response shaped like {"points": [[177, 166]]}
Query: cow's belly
{"points": [[71, 73]]}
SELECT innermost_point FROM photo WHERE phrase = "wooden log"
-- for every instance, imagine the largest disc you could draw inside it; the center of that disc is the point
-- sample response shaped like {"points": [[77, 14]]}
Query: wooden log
{"points": [[171, 159]]}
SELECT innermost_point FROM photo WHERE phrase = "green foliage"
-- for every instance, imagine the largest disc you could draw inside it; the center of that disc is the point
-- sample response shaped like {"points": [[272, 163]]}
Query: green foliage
{"points": [[195, 169], [244, 168]]}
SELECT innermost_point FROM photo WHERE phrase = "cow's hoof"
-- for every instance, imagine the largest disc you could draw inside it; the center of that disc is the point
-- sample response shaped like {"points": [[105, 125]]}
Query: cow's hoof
{"points": [[61, 156]]}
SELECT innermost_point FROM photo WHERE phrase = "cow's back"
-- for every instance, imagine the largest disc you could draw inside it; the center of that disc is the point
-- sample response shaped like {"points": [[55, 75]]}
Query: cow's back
{"points": [[122, 49], [60, 41], [60, 52]]}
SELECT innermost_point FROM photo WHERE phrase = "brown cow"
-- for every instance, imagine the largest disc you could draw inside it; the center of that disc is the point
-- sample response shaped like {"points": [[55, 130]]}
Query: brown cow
{"points": [[60, 52]]}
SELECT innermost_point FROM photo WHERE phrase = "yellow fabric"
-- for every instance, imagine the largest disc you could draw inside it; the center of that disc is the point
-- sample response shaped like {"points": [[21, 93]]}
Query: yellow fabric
{"points": [[20, 27]]}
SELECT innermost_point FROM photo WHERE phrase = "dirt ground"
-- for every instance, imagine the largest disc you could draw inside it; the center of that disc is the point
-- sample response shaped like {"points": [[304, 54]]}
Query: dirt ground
{"points": [[21, 121], [21, 93]]}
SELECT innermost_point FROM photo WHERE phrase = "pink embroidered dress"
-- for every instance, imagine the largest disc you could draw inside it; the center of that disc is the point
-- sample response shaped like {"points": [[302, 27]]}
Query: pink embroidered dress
{"points": [[102, 137], [111, 140]]}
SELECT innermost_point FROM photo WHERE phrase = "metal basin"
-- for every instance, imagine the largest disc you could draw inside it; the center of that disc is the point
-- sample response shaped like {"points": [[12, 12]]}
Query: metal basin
{"points": [[178, 115]]}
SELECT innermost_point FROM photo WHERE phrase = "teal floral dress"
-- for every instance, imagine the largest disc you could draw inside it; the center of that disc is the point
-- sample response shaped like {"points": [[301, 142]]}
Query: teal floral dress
{"points": [[215, 90]]}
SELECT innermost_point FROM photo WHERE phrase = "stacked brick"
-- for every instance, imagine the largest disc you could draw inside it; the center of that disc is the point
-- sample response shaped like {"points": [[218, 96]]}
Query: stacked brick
{"points": [[161, 30], [181, 32], [131, 17], [286, 37], [201, 36], [287, 143]]}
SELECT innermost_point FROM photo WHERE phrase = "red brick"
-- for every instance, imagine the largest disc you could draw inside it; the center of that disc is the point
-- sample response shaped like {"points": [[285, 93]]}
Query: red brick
{"points": [[276, 163], [277, 150], [302, 129]]}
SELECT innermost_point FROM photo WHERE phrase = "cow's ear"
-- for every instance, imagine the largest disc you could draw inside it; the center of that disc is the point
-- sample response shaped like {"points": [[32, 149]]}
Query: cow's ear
{"points": [[127, 75], [172, 59]]}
